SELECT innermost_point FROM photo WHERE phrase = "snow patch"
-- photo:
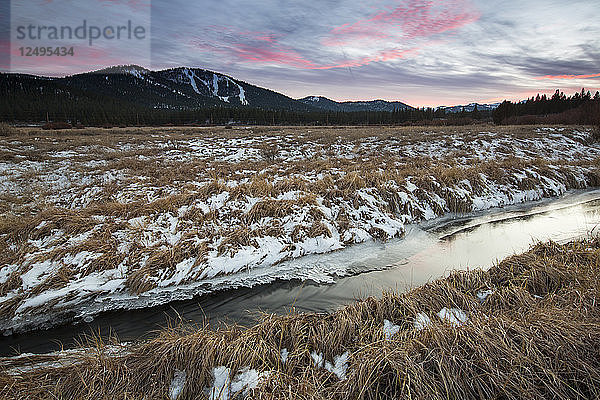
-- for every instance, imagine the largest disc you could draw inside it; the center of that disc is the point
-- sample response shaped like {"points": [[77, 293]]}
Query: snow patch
{"points": [[454, 316], [339, 366], [483, 294], [221, 383], [389, 329], [177, 384], [421, 321], [318, 359], [247, 379], [223, 386]]}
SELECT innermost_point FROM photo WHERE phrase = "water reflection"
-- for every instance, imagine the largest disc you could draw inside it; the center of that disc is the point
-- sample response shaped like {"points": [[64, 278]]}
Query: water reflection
{"points": [[426, 252]]}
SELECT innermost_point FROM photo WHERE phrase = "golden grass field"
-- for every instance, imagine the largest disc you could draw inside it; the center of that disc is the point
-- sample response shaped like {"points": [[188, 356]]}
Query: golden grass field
{"points": [[120, 216]]}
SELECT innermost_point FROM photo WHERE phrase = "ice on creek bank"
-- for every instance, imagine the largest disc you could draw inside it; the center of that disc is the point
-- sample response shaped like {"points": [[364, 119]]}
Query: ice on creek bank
{"points": [[223, 386]]}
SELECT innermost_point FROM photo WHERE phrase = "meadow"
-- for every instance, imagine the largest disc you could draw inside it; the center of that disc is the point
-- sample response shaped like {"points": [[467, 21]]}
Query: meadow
{"points": [[99, 219]]}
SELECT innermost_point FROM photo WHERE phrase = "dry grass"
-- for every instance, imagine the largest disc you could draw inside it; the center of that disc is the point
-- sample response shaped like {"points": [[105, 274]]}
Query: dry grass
{"points": [[7, 130], [536, 337], [291, 183]]}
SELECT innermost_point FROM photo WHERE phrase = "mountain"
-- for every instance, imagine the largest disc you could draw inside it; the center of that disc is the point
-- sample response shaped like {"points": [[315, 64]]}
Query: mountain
{"points": [[324, 103], [176, 89], [469, 107]]}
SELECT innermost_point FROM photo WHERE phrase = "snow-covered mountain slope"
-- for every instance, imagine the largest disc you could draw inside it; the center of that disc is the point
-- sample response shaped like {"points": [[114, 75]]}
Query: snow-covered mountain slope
{"points": [[178, 88], [208, 84], [469, 107], [348, 106]]}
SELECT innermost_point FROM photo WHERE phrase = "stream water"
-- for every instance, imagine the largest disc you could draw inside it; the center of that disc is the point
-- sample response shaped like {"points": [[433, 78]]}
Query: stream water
{"points": [[428, 251]]}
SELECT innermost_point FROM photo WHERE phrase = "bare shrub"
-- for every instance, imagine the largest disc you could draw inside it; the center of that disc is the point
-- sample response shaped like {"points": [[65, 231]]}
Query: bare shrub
{"points": [[7, 130], [56, 125], [269, 151]]}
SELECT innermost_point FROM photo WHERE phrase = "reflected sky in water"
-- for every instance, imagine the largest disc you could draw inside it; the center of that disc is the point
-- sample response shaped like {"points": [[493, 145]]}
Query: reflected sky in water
{"points": [[427, 252]]}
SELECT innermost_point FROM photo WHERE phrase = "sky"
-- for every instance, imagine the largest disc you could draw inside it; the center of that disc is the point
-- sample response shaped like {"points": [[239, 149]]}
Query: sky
{"points": [[424, 53]]}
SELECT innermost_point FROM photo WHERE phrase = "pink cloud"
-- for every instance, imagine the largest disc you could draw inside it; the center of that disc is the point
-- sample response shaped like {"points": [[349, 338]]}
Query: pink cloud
{"points": [[403, 24], [259, 47], [411, 20], [382, 55], [589, 76], [270, 51]]}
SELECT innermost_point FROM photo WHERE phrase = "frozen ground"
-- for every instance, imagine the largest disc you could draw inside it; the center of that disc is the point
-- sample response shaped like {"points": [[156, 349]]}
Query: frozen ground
{"points": [[123, 220]]}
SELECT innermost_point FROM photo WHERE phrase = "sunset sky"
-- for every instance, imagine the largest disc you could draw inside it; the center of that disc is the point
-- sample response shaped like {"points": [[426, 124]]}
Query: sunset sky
{"points": [[418, 52]]}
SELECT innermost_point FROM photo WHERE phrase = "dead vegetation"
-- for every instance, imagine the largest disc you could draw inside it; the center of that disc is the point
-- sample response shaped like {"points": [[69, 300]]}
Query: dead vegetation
{"points": [[535, 336], [7, 130], [144, 200]]}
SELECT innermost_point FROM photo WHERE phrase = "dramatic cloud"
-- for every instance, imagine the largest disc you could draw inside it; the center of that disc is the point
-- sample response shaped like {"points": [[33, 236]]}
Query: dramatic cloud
{"points": [[410, 20], [399, 32], [570, 76], [424, 52], [255, 47], [385, 36], [265, 48]]}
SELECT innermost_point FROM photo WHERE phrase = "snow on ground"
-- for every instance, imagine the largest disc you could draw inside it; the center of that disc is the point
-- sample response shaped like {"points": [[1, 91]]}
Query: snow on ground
{"points": [[221, 385], [421, 321], [339, 367], [176, 387], [246, 380], [99, 222], [224, 387], [318, 359], [284, 355], [483, 294], [389, 329], [453, 316]]}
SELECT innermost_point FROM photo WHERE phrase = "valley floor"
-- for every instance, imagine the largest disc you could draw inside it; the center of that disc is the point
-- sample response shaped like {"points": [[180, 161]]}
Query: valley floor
{"points": [[95, 220]]}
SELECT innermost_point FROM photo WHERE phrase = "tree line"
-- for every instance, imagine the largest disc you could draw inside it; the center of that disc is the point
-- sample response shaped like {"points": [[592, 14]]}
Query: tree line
{"points": [[31, 104], [580, 108], [101, 111]]}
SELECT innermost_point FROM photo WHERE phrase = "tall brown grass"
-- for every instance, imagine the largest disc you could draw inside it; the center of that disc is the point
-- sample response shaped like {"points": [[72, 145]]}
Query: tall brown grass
{"points": [[7, 130], [537, 336]]}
